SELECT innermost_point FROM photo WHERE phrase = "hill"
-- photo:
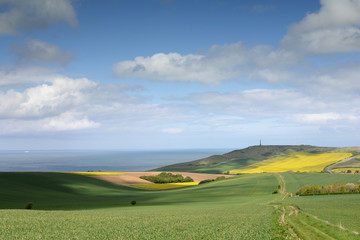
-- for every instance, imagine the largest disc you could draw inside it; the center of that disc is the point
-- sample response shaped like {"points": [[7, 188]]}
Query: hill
{"points": [[245, 157]]}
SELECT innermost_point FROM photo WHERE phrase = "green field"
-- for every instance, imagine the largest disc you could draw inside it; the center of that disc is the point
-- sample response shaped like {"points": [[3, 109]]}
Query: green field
{"points": [[69, 206], [236, 208], [295, 180]]}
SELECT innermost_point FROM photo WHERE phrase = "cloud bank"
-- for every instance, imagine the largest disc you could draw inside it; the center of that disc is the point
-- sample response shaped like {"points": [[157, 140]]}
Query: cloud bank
{"points": [[334, 29], [39, 51], [35, 14]]}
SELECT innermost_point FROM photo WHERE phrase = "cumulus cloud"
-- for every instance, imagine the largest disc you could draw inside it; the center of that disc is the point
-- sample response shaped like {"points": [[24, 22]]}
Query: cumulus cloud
{"points": [[69, 121], [19, 77], [288, 107], [228, 62], [35, 14], [44, 100], [334, 29], [39, 51], [63, 103]]}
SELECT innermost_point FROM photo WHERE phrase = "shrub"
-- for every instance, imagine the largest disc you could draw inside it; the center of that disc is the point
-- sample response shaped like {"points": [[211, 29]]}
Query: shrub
{"points": [[206, 181], [275, 191], [329, 189], [29, 205], [133, 202], [165, 177], [220, 178]]}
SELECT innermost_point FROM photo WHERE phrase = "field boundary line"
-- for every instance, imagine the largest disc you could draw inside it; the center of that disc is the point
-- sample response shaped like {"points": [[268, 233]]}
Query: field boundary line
{"points": [[330, 224]]}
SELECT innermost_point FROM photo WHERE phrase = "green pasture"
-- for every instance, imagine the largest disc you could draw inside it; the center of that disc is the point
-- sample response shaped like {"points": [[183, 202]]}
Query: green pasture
{"points": [[68, 206], [295, 180], [235, 208], [339, 210]]}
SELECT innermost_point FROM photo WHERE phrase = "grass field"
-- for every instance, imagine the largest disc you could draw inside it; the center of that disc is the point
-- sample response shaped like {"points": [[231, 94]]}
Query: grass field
{"points": [[71, 206], [295, 180], [234, 208], [295, 161]]}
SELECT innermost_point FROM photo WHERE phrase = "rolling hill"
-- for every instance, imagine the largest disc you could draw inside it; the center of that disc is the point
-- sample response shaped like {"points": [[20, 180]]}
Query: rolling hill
{"points": [[244, 157]]}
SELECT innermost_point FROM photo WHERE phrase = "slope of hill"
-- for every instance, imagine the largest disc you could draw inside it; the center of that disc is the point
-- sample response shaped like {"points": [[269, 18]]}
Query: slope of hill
{"points": [[243, 157]]}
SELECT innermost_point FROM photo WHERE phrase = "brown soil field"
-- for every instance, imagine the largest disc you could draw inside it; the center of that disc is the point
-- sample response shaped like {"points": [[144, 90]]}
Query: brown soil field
{"points": [[134, 177]]}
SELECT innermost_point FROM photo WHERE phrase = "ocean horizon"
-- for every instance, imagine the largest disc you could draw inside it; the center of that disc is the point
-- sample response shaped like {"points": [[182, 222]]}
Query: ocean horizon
{"points": [[98, 160]]}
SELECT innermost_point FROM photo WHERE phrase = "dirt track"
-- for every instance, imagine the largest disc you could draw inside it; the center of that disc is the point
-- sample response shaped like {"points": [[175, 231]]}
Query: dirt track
{"points": [[134, 177]]}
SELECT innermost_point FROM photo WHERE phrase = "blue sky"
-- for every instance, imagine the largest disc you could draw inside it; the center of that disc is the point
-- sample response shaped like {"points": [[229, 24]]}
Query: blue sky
{"points": [[171, 74]]}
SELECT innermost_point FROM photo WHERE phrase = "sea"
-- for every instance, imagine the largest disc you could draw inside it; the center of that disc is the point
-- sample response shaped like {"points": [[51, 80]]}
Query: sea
{"points": [[92, 160]]}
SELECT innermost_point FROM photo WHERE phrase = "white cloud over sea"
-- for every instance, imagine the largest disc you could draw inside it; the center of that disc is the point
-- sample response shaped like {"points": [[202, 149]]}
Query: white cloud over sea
{"points": [[307, 85]]}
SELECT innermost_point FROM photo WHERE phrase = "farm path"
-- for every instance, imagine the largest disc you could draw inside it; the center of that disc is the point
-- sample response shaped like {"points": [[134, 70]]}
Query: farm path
{"points": [[303, 225]]}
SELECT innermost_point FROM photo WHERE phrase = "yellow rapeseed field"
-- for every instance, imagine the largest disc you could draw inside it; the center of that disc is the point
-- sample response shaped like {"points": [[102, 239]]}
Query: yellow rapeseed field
{"points": [[96, 173], [344, 170], [162, 186], [296, 161]]}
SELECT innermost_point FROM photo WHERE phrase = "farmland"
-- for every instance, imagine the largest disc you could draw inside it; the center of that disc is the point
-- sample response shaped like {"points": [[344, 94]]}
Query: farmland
{"points": [[296, 161], [231, 208], [245, 206]]}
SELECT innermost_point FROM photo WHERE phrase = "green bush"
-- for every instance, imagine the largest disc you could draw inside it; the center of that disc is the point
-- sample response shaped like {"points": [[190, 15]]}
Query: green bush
{"points": [[165, 177], [206, 181], [133, 202], [212, 180], [29, 205], [275, 191], [219, 178]]}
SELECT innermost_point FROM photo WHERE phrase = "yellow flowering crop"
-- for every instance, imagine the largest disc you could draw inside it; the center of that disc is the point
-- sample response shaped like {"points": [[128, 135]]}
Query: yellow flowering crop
{"points": [[96, 173], [296, 161], [162, 186], [344, 170]]}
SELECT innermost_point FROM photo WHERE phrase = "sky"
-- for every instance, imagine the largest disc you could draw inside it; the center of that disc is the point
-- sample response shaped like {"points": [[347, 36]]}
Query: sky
{"points": [[178, 74]]}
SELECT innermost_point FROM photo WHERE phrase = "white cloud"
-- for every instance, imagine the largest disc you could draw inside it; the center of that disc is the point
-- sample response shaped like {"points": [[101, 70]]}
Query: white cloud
{"points": [[69, 121], [334, 82], [70, 104], [38, 51], [172, 130], [332, 118], [228, 62], [255, 103], [60, 104], [44, 100], [20, 77], [35, 14], [334, 29]]}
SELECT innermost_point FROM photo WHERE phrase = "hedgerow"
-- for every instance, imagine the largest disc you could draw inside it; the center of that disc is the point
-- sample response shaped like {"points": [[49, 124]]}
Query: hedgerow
{"points": [[165, 177], [339, 188]]}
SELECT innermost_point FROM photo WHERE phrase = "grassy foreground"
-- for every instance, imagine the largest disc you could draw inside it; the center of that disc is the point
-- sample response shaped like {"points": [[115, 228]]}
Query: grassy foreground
{"points": [[229, 209], [242, 207]]}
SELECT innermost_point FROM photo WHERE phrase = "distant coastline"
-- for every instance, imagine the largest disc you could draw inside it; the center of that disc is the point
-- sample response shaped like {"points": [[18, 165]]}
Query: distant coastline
{"points": [[94, 160]]}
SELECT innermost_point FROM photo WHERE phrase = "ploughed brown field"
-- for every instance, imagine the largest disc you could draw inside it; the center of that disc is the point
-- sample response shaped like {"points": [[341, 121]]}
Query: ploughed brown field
{"points": [[134, 177]]}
